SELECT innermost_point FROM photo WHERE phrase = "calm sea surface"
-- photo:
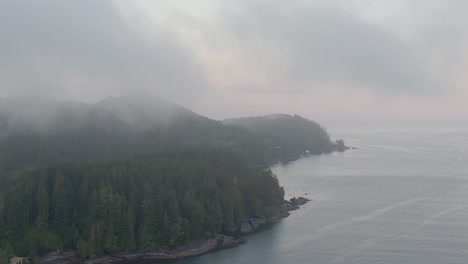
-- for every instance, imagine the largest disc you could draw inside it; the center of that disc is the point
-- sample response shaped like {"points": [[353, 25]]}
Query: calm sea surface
{"points": [[402, 197]]}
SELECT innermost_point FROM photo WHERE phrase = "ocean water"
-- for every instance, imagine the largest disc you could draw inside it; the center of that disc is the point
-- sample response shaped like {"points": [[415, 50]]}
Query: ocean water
{"points": [[401, 197]]}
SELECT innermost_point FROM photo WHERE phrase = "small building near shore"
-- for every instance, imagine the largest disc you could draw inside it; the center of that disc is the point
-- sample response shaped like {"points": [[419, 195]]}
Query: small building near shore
{"points": [[18, 260]]}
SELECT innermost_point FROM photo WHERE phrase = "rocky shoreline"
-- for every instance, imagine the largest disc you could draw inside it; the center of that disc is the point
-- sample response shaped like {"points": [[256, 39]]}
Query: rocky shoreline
{"points": [[232, 237]]}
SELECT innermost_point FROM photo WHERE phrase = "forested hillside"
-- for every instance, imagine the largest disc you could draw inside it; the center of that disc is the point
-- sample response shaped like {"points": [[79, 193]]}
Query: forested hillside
{"points": [[144, 203], [291, 135], [135, 173], [37, 131]]}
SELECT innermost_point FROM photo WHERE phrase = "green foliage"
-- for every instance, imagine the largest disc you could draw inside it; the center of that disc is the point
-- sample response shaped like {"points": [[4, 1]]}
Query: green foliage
{"points": [[3, 256], [122, 128], [143, 203], [288, 136], [6, 251], [81, 176]]}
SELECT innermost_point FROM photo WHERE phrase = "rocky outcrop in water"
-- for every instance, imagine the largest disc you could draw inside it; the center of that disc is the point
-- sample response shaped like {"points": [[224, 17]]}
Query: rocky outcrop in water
{"points": [[254, 224], [293, 204], [298, 201]]}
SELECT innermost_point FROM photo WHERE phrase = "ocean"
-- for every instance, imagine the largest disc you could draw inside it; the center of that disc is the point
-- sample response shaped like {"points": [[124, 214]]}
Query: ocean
{"points": [[400, 197]]}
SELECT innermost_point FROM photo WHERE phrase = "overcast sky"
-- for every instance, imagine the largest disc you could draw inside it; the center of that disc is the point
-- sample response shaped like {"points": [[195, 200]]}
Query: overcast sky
{"points": [[398, 60]]}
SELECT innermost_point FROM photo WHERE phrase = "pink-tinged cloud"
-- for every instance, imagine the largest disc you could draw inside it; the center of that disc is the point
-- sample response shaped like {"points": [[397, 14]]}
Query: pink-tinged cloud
{"points": [[327, 60]]}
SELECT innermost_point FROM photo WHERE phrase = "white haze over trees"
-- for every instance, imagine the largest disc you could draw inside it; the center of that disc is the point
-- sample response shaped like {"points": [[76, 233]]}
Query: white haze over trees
{"points": [[339, 61]]}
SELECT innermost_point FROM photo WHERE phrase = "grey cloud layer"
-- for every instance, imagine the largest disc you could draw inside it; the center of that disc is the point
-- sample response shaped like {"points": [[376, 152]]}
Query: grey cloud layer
{"points": [[325, 45], [83, 47], [240, 50]]}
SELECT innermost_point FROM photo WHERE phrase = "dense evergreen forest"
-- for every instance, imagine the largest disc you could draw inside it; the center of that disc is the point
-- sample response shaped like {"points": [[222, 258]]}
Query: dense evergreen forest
{"points": [[141, 203], [134, 173], [293, 135], [37, 131]]}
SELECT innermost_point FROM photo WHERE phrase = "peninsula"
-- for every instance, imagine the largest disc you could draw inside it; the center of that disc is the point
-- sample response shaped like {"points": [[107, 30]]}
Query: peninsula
{"points": [[139, 175]]}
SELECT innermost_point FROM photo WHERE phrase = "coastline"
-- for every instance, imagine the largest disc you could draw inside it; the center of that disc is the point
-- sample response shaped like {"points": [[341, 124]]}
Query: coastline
{"points": [[231, 238]]}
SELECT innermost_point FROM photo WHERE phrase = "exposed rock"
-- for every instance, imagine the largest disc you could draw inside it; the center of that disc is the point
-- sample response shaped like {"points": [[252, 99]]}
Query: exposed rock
{"points": [[70, 256], [261, 220], [246, 227], [196, 247], [288, 206], [229, 242], [257, 222], [249, 225], [276, 218], [340, 146], [299, 201], [292, 204], [193, 248]]}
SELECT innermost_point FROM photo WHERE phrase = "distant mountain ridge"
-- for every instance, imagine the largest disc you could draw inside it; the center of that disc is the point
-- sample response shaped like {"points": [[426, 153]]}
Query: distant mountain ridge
{"points": [[35, 131], [138, 112]]}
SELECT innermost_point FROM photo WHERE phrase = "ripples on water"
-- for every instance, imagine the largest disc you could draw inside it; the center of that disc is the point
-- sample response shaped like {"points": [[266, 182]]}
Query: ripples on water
{"points": [[402, 197]]}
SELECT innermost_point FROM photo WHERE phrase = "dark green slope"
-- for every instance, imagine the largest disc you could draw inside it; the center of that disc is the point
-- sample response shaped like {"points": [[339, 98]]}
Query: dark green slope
{"points": [[36, 131], [135, 172], [142, 203], [291, 136]]}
